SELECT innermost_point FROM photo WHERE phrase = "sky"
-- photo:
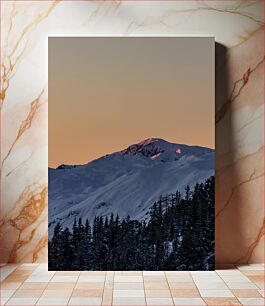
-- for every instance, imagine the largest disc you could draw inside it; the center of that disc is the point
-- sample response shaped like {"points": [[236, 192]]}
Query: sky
{"points": [[106, 93]]}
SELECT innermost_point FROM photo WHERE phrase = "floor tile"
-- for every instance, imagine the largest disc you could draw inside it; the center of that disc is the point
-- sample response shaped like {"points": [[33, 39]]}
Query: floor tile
{"points": [[157, 293], [89, 285], [182, 286], [53, 301], [91, 273], [179, 278], [157, 278], [218, 301], [56, 294], [39, 279], [176, 273], [235, 278], [246, 293], [122, 301], [64, 279], [129, 273], [91, 278], [3, 300], [107, 298], [30, 284], [6, 293], [87, 293], [232, 272], [251, 267], [203, 273], [33, 286], [85, 301], [253, 272], [6, 271], [128, 293], [128, 286], [15, 278], [188, 301], [22, 301], [28, 293], [153, 273], [156, 285], [128, 279], [159, 301], [216, 293], [183, 293], [9, 285], [251, 301], [241, 285], [68, 273], [211, 285], [29, 266], [256, 278]]}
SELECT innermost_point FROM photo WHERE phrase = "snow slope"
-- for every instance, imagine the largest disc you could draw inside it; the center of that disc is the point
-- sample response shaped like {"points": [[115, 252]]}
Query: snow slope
{"points": [[125, 182]]}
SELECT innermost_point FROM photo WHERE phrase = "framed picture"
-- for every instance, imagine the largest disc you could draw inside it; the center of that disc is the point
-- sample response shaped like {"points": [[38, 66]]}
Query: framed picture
{"points": [[131, 153]]}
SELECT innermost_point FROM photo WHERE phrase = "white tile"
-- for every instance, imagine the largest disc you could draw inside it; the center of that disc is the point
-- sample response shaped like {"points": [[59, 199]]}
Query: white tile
{"points": [[22, 301], [128, 286], [24, 265], [179, 278], [85, 301], [202, 273], [52, 301], [241, 285], [6, 293], [128, 293], [159, 301], [188, 301], [251, 267], [177, 272], [153, 273], [6, 271], [251, 301], [216, 293], [64, 278], [131, 301], [38, 279], [92, 278], [211, 285], [235, 278], [128, 279], [3, 300], [232, 272]]}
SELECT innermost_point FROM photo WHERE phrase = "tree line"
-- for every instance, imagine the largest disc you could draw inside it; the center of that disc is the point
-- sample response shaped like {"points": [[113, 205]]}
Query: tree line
{"points": [[178, 235]]}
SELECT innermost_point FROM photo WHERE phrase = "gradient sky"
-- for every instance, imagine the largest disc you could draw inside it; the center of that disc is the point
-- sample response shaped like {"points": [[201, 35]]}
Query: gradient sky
{"points": [[108, 93]]}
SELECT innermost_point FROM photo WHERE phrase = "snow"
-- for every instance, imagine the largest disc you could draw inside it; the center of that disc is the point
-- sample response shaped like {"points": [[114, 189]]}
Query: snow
{"points": [[125, 182]]}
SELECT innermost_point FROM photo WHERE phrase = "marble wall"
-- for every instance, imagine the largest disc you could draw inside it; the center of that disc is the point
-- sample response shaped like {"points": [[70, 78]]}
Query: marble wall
{"points": [[238, 27]]}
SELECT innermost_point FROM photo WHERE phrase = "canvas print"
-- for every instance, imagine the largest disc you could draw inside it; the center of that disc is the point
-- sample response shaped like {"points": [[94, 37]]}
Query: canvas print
{"points": [[131, 153]]}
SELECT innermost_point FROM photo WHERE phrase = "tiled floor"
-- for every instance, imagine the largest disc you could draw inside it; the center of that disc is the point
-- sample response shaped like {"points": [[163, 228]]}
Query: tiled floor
{"points": [[33, 284]]}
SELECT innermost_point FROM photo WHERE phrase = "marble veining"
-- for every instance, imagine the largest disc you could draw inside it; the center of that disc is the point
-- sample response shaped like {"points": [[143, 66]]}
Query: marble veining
{"points": [[238, 28]]}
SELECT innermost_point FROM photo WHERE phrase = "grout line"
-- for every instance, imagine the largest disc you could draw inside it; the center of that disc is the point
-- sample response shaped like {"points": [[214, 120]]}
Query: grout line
{"points": [[73, 289], [102, 296], [145, 298], [172, 298]]}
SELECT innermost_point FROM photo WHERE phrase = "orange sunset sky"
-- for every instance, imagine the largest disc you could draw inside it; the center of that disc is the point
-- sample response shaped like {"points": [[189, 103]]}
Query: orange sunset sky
{"points": [[108, 93]]}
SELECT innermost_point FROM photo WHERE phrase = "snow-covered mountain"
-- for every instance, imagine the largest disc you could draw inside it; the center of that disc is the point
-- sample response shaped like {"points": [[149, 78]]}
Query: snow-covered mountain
{"points": [[125, 182]]}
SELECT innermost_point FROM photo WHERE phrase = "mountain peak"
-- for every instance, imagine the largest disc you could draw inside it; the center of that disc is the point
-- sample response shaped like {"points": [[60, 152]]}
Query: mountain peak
{"points": [[150, 147], [160, 149], [148, 141]]}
